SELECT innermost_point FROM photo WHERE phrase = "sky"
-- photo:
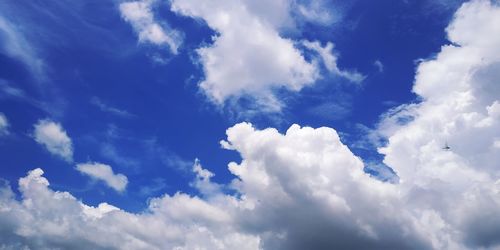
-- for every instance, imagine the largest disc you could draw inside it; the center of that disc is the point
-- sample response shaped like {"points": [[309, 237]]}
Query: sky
{"points": [[250, 124]]}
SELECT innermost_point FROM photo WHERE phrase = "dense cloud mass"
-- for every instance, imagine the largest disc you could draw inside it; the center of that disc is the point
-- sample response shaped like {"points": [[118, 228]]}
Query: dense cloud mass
{"points": [[304, 189]]}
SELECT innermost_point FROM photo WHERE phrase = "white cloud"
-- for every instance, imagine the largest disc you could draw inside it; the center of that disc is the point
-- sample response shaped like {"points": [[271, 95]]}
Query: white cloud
{"points": [[104, 173], [140, 15], [15, 44], [460, 92], [4, 124], [305, 189], [316, 11], [330, 60], [45, 219], [248, 56], [51, 135], [203, 181]]}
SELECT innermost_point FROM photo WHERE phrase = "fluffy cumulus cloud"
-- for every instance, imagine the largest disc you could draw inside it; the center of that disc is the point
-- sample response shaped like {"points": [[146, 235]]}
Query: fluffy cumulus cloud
{"points": [[140, 15], [104, 173], [55, 139], [249, 56], [460, 187], [301, 189], [45, 219], [304, 189]]}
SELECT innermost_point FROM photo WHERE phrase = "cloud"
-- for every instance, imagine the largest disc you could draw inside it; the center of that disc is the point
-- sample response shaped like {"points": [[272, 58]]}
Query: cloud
{"points": [[248, 56], [301, 188], [203, 181], [4, 125], [46, 219], [109, 109], [104, 173], [55, 139], [248, 60], [140, 15], [316, 11], [379, 65], [330, 61], [460, 93], [304, 189], [14, 44]]}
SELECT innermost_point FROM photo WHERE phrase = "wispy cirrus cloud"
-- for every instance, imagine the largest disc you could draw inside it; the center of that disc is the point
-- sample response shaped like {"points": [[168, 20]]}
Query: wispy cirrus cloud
{"points": [[140, 15], [110, 109]]}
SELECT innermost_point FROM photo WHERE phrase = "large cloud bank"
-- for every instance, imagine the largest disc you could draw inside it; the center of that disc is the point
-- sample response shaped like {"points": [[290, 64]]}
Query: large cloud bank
{"points": [[304, 189]]}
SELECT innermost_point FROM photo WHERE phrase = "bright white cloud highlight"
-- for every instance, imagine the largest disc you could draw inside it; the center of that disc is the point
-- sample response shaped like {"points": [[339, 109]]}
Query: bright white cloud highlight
{"points": [[140, 15], [55, 139], [104, 173]]}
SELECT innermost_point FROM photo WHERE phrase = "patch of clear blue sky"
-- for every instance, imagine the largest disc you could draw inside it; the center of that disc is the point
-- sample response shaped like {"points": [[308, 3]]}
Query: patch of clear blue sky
{"points": [[89, 52]]}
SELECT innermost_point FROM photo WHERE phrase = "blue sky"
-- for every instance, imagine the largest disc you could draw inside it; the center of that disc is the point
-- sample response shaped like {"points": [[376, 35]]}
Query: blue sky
{"points": [[140, 89]]}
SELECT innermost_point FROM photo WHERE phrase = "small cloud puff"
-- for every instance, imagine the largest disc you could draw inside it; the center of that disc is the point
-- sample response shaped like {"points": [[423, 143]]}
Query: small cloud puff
{"points": [[55, 139], [103, 172]]}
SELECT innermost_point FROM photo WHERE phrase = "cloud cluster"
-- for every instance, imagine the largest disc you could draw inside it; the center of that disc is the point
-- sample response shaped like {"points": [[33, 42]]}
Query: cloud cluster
{"points": [[249, 57], [104, 173], [304, 189], [140, 15], [55, 139]]}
